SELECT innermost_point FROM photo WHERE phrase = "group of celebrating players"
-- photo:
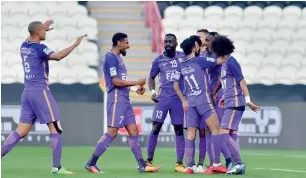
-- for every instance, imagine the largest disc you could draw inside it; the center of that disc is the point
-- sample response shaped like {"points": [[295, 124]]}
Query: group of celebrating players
{"points": [[190, 90]]}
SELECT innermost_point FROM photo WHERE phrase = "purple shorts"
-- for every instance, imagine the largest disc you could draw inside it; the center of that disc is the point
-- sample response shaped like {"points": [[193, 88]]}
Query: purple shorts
{"points": [[120, 114], [38, 104], [231, 119], [175, 109], [196, 116]]}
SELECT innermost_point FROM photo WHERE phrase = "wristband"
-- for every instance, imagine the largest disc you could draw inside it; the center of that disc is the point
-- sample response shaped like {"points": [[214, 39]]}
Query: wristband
{"points": [[153, 91], [247, 99], [133, 89]]}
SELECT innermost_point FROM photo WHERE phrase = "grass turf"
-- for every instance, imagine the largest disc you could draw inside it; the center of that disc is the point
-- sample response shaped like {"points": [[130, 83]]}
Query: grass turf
{"points": [[35, 162]]}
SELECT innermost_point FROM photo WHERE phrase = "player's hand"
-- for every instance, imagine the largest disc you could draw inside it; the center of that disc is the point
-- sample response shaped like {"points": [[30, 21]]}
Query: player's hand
{"points": [[142, 81], [221, 103], [153, 98], [79, 39], [185, 105], [253, 106], [141, 90], [47, 24]]}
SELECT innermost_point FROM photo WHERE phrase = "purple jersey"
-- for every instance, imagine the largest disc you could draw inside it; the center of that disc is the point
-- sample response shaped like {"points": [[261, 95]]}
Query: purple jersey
{"points": [[35, 61], [193, 71], [213, 75], [114, 67], [231, 75], [167, 69]]}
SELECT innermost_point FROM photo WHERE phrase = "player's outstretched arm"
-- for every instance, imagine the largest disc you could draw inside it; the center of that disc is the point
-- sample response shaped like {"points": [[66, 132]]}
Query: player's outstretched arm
{"points": [[180, 95], [246, 94], [122, 83], [65, 52]]}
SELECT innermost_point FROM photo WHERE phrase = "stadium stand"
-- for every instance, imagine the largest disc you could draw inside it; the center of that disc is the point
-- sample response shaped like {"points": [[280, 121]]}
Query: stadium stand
{"points": [[271, 53], [71, 21]]}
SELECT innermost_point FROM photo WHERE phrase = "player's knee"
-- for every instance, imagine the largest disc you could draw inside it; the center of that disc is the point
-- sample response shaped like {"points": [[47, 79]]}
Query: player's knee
{"points": [[156, 128], [179, 130]]}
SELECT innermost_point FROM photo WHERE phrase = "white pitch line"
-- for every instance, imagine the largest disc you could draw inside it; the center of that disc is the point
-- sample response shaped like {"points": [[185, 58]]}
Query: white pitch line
{"points": [[284, 170]]}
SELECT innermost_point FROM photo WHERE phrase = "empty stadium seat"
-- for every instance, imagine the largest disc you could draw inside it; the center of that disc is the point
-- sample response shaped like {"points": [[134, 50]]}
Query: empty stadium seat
{"points": [[38, 9], [299, 36], [272, 13], [247, 24], [288, 23], [296, 47], [15, 9], [293, 59], [256, 48], [86, 22], [266, 24], [23, 21], [188, 24], [245, 35], [253, 11], [170, 24], [8, 75], [283, 34], [233, 12], [249, 72], [286, 75], [68, 77], [293, 11], [173, 12], [301, 76], [301, 26], [194, 11], [275, 48], [262, 37], [215, 12], [273, 59], [208, 25], [88, 76], [77, 10], [76, 60], [39, 17], [267, 75]]}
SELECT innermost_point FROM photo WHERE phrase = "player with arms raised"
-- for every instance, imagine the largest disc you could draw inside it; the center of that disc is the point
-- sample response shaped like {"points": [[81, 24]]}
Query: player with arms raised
{"points": [[119, 109], [167, 101], [235, 96], [37, 101], [199, 105]]}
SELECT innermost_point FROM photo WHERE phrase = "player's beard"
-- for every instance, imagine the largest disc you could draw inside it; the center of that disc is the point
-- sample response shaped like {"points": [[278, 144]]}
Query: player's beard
{"points": [[170, 52], [197, 53], [123, 52]]}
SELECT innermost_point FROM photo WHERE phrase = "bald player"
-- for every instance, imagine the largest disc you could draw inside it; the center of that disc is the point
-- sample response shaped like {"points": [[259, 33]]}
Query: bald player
{"points": [[37, 101], [202, 33]]}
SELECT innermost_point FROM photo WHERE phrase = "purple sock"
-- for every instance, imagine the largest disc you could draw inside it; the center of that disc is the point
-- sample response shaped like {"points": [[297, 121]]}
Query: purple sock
{"points": [[225, 152], [216, 143], [235, 138], [10, 143], [202, 150], [136, 149], [189, 152], [152, 142], [56, 144], [101, 146], [233, 148], [180, 148], [208, 148]]}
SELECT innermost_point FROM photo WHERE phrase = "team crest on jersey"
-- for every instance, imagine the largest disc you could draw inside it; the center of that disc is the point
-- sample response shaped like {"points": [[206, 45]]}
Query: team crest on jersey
{"points": [[113, 71], [47, 51], [180, 59]]}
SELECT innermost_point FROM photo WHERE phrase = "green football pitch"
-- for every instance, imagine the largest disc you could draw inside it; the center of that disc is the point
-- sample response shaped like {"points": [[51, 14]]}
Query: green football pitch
{"points": [[35, 162]]}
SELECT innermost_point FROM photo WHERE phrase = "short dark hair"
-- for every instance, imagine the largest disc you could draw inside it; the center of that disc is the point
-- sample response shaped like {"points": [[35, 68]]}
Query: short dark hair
{"points": [[222, 45], [118, 37], [214, 34], [33, 27], [203, 31], [197, 39], [171, 34], [187, 45]]}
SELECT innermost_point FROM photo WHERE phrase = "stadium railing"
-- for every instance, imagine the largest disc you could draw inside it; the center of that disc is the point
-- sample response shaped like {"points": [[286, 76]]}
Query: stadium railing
{"points": [[154, 21]]}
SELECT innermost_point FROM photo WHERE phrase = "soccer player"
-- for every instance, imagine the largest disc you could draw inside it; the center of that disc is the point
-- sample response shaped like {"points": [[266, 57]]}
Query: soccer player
{"points": [[119, 109], [235, 96], [37, 101], [166, 100], [214, 79], [199, 105], [202, 33]]}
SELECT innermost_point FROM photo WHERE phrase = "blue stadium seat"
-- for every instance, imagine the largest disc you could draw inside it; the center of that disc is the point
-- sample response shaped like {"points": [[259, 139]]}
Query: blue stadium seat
{"points": [[261, 4], [242, 4], [222, 4], [280, 4], [203, 4], [183, 4]]}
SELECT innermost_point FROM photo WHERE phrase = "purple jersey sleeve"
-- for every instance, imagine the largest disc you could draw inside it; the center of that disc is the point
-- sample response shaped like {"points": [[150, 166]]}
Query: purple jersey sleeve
{"points": [[235, 69], [44, 52], [154, 69], [206, 62], [111, 66]]}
